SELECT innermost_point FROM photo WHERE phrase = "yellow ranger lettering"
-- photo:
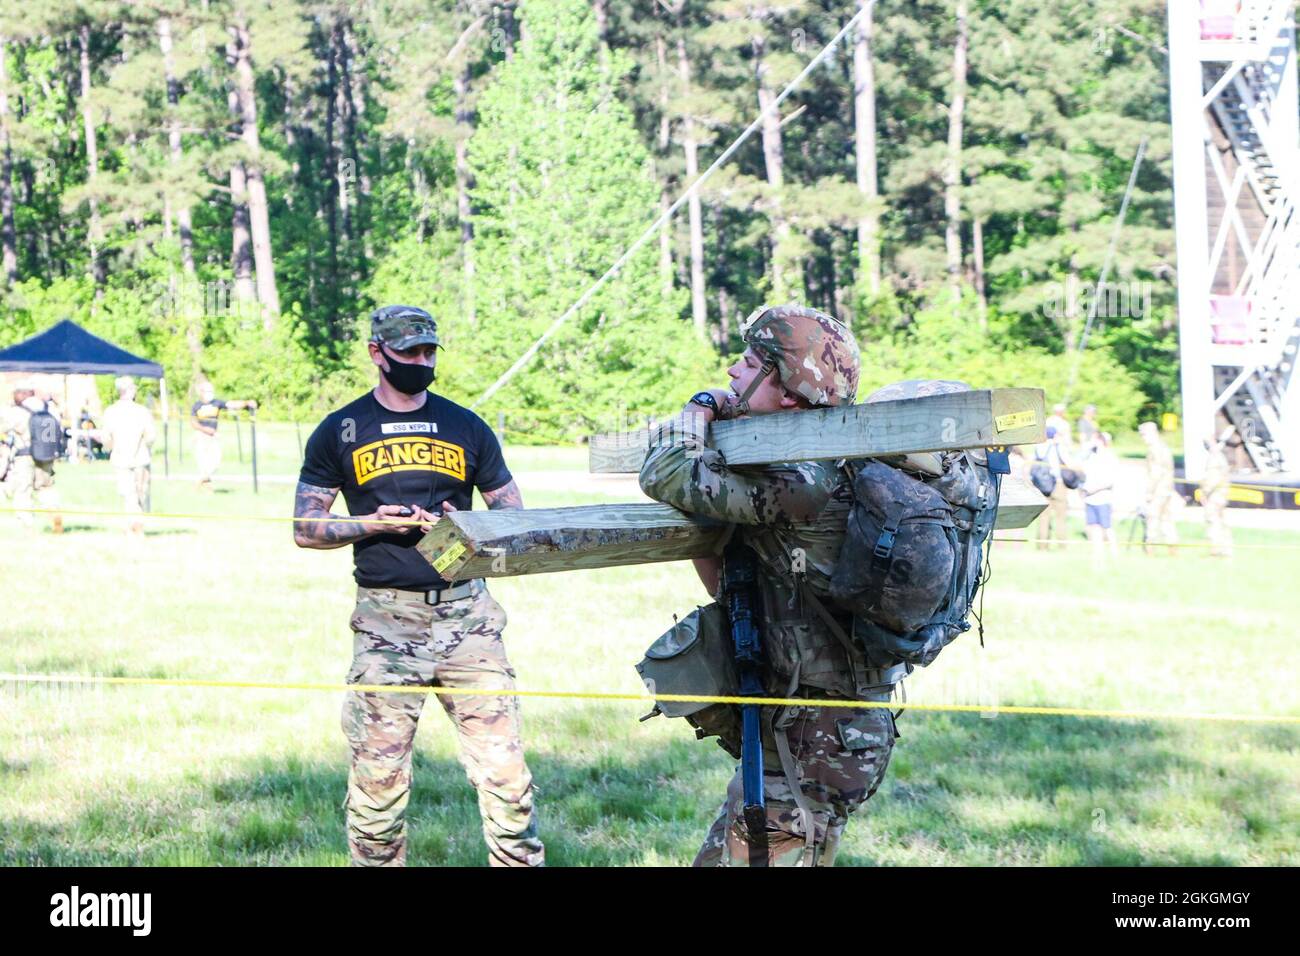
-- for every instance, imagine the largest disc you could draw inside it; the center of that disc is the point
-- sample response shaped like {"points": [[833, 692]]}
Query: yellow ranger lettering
{"points": [[408, 453]]}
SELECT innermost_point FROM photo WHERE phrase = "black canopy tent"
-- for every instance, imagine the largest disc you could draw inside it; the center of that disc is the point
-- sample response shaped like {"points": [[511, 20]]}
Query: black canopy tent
{"points": [[67, 349]]}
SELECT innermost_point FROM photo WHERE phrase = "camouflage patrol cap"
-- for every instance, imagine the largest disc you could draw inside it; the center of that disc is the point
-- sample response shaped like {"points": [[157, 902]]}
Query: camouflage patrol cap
{"points": [[815, 356], [403, 326], [917, 388]]}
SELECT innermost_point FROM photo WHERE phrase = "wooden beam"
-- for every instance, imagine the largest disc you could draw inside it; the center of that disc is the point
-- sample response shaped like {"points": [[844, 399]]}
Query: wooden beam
{"points": [[471, 544], [474, 544], [617, 453], [980, 418]]}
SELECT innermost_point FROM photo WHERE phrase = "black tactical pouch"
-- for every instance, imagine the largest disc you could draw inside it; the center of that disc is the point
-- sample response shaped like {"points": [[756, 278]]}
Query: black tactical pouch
{"points": [[696, 656], [896, 565]]}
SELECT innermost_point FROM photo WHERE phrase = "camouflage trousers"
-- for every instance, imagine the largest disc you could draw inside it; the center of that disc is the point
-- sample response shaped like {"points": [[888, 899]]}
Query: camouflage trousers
{"points": [[399, 639], [1053, 523], [30, 483], [1216, 523], [840, 756], [1161, 528], [133, 486]]}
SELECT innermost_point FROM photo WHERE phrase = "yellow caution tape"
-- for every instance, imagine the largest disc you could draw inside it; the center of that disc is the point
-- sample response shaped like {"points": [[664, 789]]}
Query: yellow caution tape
{"points": [[649, 698], [1293, 489]]}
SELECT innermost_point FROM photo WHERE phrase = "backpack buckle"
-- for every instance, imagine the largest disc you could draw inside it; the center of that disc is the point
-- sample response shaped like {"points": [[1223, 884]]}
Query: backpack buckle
{"points": [[884, 545]]}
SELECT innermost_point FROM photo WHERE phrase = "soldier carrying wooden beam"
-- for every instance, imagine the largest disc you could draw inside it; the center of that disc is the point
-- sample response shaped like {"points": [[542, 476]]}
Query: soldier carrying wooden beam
{"points": [[790, 520], [785, 466], [820, 764]]}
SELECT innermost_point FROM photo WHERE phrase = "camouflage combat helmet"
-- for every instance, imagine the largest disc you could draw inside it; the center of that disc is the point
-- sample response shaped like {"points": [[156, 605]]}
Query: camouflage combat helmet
{"points": [[403, 326], [815, 356]]}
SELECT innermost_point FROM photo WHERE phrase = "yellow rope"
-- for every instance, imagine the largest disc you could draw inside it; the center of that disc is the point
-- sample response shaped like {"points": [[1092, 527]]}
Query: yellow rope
{"points": [[1294, 489], [647, 698]]}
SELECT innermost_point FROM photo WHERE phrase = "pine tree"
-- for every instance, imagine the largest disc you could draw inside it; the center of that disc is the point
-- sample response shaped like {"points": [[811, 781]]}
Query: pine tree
{"points": [[563, 187]]}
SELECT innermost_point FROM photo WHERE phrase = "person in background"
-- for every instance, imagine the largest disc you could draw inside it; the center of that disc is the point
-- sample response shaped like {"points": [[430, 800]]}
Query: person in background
{"points": [[1098, 492], [129, 431], [1215, 485], [1051, 455], [1160, 493], [1058, 421], [203, 419], [1086, 426], [33, 436], [87, 443]]}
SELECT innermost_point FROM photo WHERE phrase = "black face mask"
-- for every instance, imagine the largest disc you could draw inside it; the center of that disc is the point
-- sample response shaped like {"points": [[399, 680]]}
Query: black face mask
{"points": [[410, 378]]}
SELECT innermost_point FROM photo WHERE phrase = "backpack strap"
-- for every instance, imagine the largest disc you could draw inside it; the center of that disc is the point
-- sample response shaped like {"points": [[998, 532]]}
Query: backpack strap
{"points": [[778, 721], [882, 675]]}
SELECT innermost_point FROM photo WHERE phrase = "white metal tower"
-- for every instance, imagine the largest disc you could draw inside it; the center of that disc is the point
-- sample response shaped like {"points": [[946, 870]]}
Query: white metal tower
{"points": [[1236, 160]]}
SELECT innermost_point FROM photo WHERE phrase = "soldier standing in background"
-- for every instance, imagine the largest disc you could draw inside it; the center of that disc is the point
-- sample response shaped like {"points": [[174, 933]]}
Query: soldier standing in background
{"points": [[1215, 484], [401, 451], [1160, 493], [203, 419], [129, 430], [1086, 426], [34, 439], [820, 763], [1053, 524]]}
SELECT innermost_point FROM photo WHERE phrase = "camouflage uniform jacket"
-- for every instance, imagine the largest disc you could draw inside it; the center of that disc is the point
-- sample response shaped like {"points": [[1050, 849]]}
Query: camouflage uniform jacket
{"points": [[16, 427], [793, 516], [1218, 472], [1160, 470]]}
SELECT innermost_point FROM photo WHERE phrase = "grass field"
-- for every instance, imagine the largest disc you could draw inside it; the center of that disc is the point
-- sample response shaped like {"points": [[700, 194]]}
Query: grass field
{"points": [[94, 775]]}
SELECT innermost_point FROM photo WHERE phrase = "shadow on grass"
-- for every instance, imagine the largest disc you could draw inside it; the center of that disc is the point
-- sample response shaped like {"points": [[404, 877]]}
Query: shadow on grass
{"points": [[959, 790]]}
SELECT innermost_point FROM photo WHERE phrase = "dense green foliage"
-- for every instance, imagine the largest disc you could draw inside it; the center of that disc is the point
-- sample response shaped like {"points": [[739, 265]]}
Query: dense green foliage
{"points": [[489, 160]]}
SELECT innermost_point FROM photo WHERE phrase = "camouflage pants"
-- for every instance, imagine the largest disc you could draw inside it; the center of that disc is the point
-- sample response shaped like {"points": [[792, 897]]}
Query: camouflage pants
{"points": [[1161, 528], [133, 486], [841, 756], [399, 639], [207, 453], [1053, 523], [1216, 523], [31, 483]]}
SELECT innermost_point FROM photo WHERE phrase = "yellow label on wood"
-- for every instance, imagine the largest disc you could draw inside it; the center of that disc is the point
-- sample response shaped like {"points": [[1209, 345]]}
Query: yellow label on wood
{"points": [[1015, 420], [443, 561]]}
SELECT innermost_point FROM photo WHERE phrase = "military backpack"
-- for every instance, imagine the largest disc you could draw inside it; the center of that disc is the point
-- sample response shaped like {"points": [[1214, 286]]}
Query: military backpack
{"points": [[46, 437], [913, 552]]}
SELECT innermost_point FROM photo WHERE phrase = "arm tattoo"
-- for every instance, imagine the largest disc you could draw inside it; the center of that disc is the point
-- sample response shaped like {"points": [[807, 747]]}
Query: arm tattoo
{"points": [[504, 498], [312, 501]]}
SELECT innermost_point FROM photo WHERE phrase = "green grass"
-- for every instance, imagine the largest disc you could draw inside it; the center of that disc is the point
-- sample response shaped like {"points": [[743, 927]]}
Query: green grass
{"points": [[213, 776]]}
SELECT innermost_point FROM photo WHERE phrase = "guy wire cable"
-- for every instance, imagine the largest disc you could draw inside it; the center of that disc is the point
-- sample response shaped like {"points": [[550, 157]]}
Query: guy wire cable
{"points": [[667, 214]]}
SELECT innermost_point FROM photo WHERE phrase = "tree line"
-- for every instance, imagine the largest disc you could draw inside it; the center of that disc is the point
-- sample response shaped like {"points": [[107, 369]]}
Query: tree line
{"points": [[229, 186]]}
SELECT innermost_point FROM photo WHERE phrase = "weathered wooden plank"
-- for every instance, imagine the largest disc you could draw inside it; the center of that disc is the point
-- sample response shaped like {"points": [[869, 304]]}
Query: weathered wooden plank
{"points": [[468, 544], [472, 544], [980, 418], [616, 453]]}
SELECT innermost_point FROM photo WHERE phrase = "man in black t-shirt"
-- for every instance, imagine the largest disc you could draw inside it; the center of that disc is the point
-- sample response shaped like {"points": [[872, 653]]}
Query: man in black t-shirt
{"points": [[204, 416], [403, 456]]}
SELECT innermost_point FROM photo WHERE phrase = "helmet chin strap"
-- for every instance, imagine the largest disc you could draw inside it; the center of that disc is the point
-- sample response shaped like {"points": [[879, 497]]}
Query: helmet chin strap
{"points": [[741, 406]]}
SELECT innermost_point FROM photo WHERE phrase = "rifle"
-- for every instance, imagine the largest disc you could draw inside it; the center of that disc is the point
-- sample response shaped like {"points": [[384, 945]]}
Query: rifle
{"points": [[738, 576]]}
